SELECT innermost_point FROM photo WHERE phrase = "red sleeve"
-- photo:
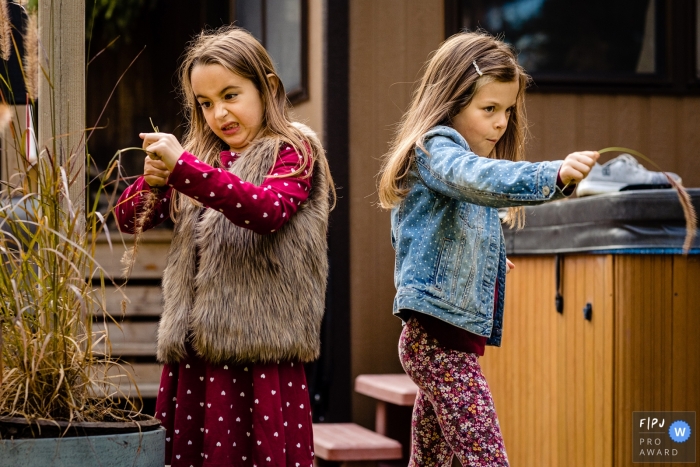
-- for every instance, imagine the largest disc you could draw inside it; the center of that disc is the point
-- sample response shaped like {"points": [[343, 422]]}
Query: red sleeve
{"points": [[263, 209], [131, 202]]}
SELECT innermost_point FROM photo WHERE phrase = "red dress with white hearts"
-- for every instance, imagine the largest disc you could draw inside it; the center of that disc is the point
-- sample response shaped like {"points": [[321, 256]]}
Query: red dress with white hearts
{"points": [[224, 415]]}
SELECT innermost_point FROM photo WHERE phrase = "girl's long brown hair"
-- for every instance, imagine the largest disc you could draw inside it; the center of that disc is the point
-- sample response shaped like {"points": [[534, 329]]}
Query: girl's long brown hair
{"points": [[449, 83], [237, 50]]}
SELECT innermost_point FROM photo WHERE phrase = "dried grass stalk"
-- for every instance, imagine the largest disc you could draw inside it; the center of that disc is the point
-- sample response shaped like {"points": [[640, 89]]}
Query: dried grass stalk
{"points": [[5, 31], [150, 197], [691, 220], [129, 258], [31, 55]]}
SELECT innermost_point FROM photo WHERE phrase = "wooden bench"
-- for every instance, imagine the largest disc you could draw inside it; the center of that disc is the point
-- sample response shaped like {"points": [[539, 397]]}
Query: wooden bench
{"points": [[346, 442], [386, 388]]}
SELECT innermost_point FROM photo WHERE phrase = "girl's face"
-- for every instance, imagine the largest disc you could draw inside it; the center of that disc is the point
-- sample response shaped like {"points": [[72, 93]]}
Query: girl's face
{"points": [[231, 104], [484, 120]]}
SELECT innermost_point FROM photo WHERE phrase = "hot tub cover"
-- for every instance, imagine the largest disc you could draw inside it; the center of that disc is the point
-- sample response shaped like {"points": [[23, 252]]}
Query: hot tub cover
{"points": [[641, 221]]}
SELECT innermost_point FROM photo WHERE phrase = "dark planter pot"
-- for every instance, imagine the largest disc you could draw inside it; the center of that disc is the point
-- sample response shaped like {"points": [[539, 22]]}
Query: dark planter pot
{"points": [[135, 444]]}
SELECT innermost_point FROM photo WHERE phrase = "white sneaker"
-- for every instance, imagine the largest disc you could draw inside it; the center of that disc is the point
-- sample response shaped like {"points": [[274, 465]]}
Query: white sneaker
{"points": [[620, 174]]}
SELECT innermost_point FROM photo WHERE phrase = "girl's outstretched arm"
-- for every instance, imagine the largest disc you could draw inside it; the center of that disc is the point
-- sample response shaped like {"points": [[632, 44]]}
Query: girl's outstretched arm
{"points": [[457, 172]]}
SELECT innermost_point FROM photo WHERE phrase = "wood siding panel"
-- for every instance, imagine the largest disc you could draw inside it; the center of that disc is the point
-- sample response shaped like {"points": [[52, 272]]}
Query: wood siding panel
{"points": [[595, 128], [663, 128], [643, 342], [686, 345], [522, 372], [389, 42]]}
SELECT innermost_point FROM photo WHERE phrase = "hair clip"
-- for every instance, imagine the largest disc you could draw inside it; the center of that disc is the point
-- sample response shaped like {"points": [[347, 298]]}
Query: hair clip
{"points": [[481, 73]]}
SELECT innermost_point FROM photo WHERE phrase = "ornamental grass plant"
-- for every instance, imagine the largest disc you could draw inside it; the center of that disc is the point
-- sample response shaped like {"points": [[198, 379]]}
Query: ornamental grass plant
{"points": [[55, 363]]}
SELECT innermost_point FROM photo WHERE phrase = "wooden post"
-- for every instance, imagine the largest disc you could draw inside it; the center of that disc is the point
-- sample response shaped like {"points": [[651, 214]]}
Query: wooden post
{"points": [[61, 100]]}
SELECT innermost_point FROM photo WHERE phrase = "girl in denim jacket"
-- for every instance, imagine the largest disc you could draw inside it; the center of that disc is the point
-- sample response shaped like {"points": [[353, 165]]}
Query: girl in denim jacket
{"points": [[457, 157]]}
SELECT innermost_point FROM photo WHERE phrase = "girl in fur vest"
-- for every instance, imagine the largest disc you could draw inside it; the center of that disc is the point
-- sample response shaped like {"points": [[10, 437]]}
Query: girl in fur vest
{"points": [[245, 280]]}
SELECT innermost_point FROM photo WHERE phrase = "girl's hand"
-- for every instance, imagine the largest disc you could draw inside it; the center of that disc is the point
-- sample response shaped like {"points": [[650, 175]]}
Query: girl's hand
{"points": [[155, 172], [163, 146], [577, 165], [509, 265]]}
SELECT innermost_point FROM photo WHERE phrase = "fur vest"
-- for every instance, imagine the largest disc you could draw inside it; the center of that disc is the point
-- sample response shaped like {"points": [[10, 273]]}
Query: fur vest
{"points": [[252, 297]]}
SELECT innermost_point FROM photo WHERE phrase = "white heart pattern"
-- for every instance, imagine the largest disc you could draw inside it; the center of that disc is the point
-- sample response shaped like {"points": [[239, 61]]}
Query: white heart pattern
{"points": [[238, 205], [212, 194], [255, 196], [230, 185], [205, 175], [264, 214], [187, 181]]}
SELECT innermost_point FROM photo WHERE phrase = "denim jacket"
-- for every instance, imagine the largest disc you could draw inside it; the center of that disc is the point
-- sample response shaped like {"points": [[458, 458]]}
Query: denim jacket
{"points": [[447, 234]]}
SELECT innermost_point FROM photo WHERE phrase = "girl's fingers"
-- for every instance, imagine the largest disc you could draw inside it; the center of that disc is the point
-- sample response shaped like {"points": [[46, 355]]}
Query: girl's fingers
{"points": [[580, 167], [157, 172]]}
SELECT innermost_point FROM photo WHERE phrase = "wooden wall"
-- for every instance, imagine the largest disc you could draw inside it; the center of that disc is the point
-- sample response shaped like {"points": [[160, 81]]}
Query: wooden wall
{"points": [[663, 128], [389, 42]]}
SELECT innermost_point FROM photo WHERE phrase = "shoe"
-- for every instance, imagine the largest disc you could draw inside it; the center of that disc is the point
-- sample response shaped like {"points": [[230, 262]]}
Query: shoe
{"points": [[621, 174]]}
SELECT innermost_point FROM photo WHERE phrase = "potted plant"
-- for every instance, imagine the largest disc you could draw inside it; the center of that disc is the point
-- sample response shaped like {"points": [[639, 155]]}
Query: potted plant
{"points": [[61, 401]]}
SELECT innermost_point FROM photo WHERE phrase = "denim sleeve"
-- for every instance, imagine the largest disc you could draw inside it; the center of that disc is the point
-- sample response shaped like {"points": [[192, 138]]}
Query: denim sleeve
{"points": [[454, 171]]}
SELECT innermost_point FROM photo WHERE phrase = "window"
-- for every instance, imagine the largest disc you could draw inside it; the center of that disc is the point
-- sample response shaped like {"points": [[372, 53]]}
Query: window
{"points": [[592, 45], [280, 25]]}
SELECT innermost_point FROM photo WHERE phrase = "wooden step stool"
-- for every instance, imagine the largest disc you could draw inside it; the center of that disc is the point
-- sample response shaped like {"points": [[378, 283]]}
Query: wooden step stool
{"points": [[335, 443], [395, 389]]}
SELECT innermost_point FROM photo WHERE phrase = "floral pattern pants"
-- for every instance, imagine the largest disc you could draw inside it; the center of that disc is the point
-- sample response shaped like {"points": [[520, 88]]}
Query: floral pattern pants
{"points": [[454, 412]]}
